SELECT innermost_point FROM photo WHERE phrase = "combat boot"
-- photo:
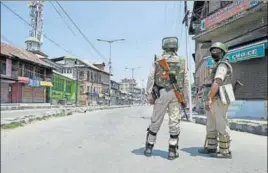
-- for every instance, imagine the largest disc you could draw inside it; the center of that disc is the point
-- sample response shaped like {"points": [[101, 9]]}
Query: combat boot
{"points": [[211, 144], [224, 151], [149, 144], [148, 149], [173, 152], [207, 151]]}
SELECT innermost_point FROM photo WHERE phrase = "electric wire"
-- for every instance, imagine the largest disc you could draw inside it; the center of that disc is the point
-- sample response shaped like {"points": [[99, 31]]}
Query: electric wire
{"points": [[83, 35], [57, 11], [49, 39]]}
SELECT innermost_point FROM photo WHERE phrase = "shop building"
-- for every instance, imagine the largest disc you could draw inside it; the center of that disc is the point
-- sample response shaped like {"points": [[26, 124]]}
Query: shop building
{"points": [[94, 81], [64, 89], [25, 78], [115, 94]]}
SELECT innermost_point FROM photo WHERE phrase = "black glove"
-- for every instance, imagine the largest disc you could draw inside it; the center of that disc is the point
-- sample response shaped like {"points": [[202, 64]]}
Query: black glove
{"points": [[172, 79]]}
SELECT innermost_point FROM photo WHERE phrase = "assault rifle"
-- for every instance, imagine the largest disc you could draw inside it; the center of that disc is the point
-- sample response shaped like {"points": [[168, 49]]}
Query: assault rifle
{"points": [[163, 63]]}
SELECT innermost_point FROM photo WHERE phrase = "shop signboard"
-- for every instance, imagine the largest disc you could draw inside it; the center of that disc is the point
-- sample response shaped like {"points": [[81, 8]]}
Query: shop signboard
{"points": [[231, 10], [242, 54]]}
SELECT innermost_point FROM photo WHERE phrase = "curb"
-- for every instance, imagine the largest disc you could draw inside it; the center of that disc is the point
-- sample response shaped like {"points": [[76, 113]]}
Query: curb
{"points": [[8, 108], [241, 125], [56, 113]]}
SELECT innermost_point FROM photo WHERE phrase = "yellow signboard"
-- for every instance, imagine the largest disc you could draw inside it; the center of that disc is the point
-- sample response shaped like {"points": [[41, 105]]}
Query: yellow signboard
{"points": [[45, 83]]}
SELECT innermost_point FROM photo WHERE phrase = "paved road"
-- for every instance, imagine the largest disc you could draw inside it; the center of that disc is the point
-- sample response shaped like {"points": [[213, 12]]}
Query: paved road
{"points": [[112, 141]]}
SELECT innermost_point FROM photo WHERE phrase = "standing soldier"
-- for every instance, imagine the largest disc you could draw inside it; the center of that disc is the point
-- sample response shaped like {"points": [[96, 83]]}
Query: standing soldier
{"points": [[217, 122], [163, 96]]}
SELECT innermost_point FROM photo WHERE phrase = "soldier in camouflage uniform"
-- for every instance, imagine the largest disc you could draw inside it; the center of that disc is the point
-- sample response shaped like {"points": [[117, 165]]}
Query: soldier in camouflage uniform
{"points": [[217, 122], [167, 101]]}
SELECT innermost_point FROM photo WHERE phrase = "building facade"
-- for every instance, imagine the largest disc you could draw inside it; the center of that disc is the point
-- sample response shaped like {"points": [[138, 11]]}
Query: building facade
{"points": [[115, 94], [94, 81], [25, 78], [137, 95], [128, 85], [242, 26], [64, 89]]}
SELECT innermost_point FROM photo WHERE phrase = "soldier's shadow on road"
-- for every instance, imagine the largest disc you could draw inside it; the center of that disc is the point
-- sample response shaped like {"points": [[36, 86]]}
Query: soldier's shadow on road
{"points": [[158, 153], [193, 151]]}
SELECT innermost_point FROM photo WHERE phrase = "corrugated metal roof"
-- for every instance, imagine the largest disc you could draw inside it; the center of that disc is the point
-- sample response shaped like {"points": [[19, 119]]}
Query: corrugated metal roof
{"points": [[22, 54]]}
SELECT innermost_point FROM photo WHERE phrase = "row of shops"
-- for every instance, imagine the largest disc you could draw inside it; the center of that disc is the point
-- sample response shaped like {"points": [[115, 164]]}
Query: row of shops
{"points": [[24, 90]]}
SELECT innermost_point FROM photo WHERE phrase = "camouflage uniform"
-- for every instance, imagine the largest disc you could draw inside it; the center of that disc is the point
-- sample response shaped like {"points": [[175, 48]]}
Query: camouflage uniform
{"points": [[167, 102], [217, 122]]}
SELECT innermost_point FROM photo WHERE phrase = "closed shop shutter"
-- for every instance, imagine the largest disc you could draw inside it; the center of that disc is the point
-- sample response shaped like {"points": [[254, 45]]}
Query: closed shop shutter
{"points": [[27, 94], [38, 95], [253, 74], [4, 92], [33, 95]]}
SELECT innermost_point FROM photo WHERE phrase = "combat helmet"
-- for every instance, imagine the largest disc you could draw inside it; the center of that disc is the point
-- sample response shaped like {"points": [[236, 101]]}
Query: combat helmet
{"points": [[170, 43], [220, 46]]}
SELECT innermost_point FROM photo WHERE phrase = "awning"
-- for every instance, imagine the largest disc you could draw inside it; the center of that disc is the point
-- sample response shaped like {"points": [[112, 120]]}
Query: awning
{"points": [[7, 81], [23, 80], [255, 50], [34, 83], [46, 84]]}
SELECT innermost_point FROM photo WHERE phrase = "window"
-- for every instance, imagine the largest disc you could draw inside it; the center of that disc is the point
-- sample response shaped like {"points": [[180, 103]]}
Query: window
{"points": [[225, 3], [81, 74], [88, 74], [69, 70], [28, 71], [58, 84], [3, 65], [68, 87], [95, 77], [39, 73], [91, 76]]}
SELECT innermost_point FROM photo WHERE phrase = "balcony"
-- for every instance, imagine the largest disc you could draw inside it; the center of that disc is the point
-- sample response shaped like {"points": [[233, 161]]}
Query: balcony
{"points": [[230, 18], [30, 74]]}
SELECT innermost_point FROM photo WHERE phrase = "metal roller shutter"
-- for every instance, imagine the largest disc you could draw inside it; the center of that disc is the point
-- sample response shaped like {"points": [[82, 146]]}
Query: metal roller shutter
{"points": [[253, 74]]}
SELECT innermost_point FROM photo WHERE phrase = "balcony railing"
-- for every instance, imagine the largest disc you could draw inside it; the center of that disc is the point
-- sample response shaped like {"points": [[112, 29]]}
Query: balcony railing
{"points": [[30, 74]]}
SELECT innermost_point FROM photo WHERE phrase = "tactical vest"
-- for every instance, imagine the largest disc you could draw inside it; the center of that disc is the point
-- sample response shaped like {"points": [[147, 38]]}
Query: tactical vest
{"points": [[176, 66], [228, 77]]}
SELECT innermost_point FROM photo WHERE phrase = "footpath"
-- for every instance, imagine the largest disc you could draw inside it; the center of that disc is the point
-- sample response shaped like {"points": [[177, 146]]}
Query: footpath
{"points": [[258, 127], [22, 115]]}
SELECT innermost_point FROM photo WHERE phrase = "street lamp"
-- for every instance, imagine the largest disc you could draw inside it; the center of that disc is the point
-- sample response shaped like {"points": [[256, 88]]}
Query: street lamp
{"points": [[110, 61], [132, 70]]}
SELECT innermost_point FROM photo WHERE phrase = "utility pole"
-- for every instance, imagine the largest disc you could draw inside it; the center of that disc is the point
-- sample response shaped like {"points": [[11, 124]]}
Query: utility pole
{"points": [[142, 92], [185, 21], [132, 70], [76, 88], [110, 62]]}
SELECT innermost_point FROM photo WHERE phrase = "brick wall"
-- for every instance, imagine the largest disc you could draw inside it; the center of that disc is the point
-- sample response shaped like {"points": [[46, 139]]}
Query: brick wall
{"points": [[253, 74]]}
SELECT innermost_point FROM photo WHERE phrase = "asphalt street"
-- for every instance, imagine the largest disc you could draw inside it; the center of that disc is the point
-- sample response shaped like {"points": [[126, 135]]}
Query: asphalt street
{"points": [[112, 141]]}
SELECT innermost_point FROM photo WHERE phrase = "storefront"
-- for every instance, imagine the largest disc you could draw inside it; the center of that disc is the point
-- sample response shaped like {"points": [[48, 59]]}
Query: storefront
{"points": [[6, 90]]}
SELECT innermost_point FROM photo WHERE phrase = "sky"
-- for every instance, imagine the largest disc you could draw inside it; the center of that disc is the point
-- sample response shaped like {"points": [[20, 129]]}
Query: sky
{"points": [[142, 24]]}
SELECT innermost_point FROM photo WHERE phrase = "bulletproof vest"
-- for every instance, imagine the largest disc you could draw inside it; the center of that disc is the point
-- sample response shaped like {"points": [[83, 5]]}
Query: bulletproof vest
{"points": [[228, 78], [176, 66]]}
